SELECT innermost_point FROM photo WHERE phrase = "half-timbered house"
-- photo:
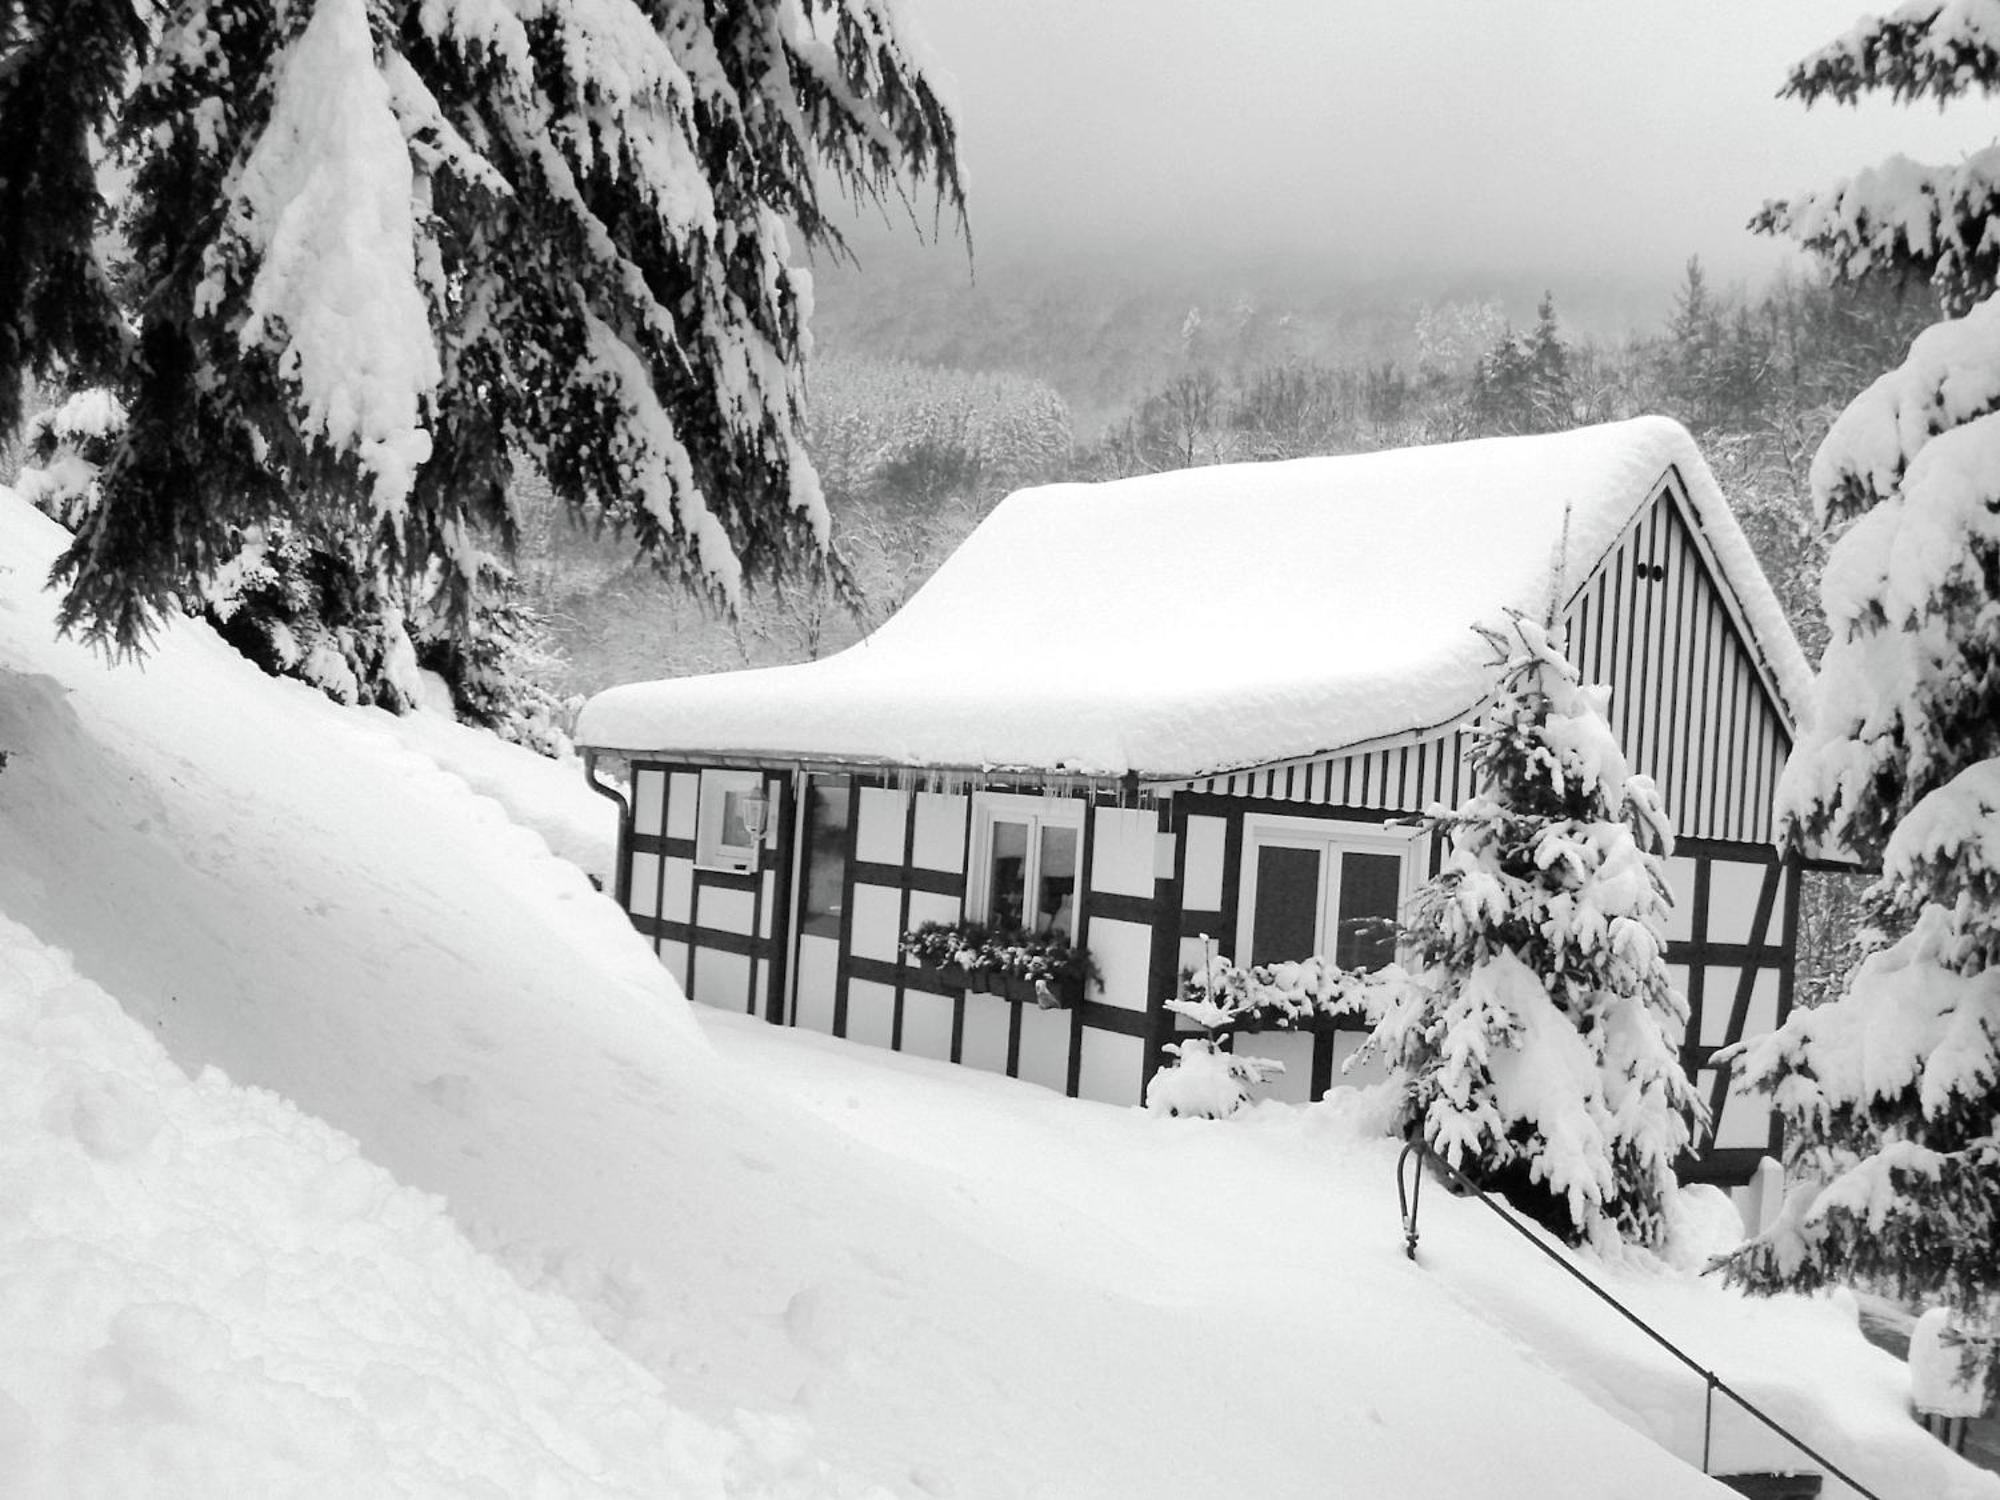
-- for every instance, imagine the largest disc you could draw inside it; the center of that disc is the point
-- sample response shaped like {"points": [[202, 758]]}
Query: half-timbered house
{"points": [[1186, 711]]}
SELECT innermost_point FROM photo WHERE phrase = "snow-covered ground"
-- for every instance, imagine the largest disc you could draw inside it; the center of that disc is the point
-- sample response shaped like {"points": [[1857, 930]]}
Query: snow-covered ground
{"points": [[353, 1144]]}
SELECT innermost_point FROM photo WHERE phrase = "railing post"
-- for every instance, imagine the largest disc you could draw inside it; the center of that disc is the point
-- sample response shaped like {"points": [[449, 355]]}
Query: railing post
{"points": [[1407, 1199], [1707, 1418]]}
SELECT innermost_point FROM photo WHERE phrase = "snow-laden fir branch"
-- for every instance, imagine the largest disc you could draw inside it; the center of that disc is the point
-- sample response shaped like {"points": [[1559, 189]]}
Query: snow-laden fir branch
{"points": [[1907, 220], [1935, 49]]}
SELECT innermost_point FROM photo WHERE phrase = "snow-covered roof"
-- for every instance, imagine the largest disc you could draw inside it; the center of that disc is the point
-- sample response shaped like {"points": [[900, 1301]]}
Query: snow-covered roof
{"points": [[1208, 619]]}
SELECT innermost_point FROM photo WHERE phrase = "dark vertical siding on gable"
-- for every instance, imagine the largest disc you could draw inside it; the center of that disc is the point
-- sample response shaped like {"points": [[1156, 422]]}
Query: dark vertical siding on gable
{"points": [[1687, 702]]}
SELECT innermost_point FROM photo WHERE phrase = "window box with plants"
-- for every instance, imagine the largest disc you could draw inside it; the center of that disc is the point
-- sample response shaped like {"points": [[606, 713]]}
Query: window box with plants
{"points": [[1039, 968]]}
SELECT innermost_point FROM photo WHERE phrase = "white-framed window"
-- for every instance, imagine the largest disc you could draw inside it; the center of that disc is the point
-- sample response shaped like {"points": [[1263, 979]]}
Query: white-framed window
{"points": [[1317, 887], [1027, 862], [732, 819]]}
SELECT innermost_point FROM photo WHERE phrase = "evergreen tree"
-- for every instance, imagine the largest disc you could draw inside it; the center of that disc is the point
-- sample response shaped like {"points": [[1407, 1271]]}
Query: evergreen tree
{"points": [[1694, 342], [382, 250], [1891, 1094], [1522, 383], [1537, 1040]]}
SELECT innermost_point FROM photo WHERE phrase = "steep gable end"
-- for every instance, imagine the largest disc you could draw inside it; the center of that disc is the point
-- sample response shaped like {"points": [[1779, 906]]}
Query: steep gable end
{"points": [[1692, 701]]}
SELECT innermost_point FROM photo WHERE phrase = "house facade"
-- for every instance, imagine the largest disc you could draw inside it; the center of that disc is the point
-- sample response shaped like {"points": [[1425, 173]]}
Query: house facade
{"points": [[1191, 714]]}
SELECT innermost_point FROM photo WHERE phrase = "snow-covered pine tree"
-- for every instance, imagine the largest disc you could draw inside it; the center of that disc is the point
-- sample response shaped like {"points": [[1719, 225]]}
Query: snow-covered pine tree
{"points": [[1891, 1093], [380, 250], [1537, 1040]]}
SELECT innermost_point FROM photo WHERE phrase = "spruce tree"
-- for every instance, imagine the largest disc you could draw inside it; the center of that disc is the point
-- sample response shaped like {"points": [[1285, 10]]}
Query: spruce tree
{"points": [[1537, 1040], [1891, 1093], [376, 253]]}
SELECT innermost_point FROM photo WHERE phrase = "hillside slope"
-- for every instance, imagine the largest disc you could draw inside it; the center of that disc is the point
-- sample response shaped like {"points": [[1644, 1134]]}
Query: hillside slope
{"points": [[926, 1280]]}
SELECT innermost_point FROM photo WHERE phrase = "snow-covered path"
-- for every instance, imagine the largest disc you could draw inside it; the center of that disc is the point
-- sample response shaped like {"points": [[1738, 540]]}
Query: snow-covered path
{"points": [[936, 1282]]}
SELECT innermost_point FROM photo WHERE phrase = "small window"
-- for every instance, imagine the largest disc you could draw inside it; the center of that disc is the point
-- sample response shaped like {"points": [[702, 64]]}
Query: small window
{"points": [[827, 804], [1315, 888], [1026, 863], [733, 817]]}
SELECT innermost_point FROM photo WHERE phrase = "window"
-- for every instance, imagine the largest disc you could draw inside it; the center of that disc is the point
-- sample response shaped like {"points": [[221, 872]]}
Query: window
{"points": [[825, 853], [734, 813], [1314, 887], [1026, 856]]}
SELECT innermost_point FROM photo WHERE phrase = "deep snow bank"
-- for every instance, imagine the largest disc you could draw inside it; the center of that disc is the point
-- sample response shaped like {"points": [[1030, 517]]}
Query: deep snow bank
{"points": [[205, 1293]]}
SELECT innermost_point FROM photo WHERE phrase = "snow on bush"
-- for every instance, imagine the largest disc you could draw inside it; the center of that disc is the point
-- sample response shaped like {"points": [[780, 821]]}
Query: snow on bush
{"points": [[1218, 993], [1205, 1082], [1537, 1039], [204, 1292], [1941, 1384]]}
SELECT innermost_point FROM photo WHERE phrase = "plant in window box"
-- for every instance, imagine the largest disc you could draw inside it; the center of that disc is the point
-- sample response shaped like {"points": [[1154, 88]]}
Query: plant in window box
{"points": [[1039, 966], [1220, 996]]}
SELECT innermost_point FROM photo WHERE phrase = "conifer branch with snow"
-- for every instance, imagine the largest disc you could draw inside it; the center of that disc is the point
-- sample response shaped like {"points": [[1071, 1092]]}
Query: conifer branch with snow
{"points": [[383, 251]]}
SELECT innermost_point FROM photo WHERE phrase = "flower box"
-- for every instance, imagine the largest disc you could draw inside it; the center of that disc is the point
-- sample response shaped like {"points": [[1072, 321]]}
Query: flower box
{"points": [[1041, 969]]}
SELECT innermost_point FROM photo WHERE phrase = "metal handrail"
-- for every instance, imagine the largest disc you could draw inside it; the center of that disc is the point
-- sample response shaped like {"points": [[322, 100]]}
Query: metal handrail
{"points": [[1406, 1198]]}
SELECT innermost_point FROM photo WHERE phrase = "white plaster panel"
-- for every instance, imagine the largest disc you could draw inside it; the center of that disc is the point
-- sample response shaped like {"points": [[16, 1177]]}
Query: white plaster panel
{"points": [[929, 906], [1292, 1048], [649, 802], [1732, 901], [683, 799], [1361, 1076], [1745, 1122], [939, 843], [878, 836], [675, 957], [1718, 998], [722, 979], [725, 908], [871, 1012], [1201, 878], [677, 892], [645, 884], [768, 902], [1763, 1014], [927, 1024], [1121, 860], [877, 916], [1195, 952], [1045, 1047], [818, 968], [1123, 952], [1110, 1068], [1680, 882], [761, 987], [985, 1043]]}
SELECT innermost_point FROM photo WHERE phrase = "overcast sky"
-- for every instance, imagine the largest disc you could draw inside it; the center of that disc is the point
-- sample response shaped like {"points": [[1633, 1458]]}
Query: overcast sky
{"points": [[1508, 135]]}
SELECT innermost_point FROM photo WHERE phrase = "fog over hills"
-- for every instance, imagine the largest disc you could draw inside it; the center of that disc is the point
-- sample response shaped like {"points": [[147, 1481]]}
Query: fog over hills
{"points": [[1106, 328]]}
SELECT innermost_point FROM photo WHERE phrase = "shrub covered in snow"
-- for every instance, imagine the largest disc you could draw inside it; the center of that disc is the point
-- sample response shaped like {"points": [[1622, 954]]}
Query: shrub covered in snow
{"points": [[1536, 1042], [1891, 1093], [1206, 1082]]}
